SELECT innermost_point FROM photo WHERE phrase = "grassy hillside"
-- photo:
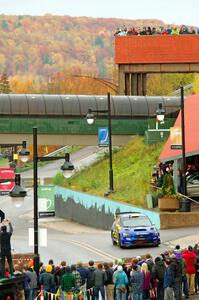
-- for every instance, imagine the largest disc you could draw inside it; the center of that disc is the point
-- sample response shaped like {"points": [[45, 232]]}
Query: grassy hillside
{"points": [[132, 167]]}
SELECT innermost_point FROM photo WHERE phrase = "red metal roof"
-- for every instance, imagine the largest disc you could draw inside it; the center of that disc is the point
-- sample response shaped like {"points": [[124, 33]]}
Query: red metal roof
{"points": [[157, 49], [191, 112]]}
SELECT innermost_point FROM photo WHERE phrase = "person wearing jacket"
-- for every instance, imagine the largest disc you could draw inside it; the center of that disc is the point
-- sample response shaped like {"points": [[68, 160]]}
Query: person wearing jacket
{"points": [[189, 257], [197, 272], [146, 281], [5, 245], [158, 271], [120, 280], [67, 282], [84, 275], [176, 267], [109, 282], [47, 279], [168, 281], [100, 279], [136, 282]]}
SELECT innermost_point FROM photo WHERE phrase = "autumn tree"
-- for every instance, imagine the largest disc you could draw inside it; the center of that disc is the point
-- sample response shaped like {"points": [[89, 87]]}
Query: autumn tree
{"points": [[4, 84]]}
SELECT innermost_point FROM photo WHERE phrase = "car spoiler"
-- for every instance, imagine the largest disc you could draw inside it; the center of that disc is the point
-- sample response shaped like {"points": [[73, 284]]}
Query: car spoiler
{"points": [[127, 212]]}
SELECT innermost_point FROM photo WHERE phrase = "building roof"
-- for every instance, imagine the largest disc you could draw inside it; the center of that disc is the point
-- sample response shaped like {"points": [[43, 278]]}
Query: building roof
{"points": [[191, 113]]}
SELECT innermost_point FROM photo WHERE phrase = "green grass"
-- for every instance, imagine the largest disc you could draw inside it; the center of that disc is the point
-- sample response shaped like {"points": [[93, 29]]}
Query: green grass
{"points": [[132, 168]]}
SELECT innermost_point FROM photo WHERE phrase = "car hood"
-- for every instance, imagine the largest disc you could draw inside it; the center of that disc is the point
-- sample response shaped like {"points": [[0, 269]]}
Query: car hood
{"points": [[140, 229]]}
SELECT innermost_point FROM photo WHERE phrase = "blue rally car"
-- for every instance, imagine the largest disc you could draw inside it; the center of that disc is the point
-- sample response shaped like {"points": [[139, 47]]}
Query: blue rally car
{"points": [[134, 229]]}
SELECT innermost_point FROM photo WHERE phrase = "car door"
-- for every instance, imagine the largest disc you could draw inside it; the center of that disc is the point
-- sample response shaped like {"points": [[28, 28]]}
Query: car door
{"points": [[193, 186]]}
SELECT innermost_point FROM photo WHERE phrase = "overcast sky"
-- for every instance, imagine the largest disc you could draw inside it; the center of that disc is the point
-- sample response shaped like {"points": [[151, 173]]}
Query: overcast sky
{"points": [[169, 11]]}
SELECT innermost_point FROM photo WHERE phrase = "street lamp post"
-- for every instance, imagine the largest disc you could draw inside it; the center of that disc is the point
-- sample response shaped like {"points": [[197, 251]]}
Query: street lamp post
{"points": [[160, 112], [67, 167], [90, 120]]}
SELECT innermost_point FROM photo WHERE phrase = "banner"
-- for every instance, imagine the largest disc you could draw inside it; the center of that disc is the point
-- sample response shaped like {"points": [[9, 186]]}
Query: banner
{"points": [[103, 137], [46, 200], [176, 137], [7, 173]]}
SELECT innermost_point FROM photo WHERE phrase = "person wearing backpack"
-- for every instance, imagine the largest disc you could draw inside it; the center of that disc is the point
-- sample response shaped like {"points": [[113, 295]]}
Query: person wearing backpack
{"points": [[120, 280]]}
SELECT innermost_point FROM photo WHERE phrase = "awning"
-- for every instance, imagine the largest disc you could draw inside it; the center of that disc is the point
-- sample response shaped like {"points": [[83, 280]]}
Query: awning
{"points": [[191, 113]]}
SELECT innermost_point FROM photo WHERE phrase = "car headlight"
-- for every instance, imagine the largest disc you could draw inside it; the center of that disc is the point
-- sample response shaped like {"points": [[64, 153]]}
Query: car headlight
{"points": [[155, 234], [125, 234]]}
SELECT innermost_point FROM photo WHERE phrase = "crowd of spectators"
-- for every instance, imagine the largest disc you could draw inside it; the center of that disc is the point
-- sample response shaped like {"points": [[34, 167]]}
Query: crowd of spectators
{"points": [[169, 30], [169, 276]]}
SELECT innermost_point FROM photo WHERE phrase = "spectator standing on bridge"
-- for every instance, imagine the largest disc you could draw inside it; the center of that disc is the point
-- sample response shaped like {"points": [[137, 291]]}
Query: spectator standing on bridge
{"points": [[6, 247]]}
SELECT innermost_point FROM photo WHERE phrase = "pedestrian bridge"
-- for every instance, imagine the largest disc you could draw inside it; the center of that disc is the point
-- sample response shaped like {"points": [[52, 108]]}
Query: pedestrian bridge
{"points": [[60, 119]]}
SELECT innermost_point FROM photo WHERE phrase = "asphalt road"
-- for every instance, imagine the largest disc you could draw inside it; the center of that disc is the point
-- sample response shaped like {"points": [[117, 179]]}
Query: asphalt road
{"points": [[73, 242], [70, 241]]}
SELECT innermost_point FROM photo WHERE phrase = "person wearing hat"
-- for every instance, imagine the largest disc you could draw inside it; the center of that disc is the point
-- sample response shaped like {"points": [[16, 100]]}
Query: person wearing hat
{"points": [[176, 267], [47, 279]]}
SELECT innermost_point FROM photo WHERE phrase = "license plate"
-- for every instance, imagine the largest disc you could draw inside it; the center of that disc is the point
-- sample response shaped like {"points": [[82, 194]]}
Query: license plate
{"points": [[139, 242]]}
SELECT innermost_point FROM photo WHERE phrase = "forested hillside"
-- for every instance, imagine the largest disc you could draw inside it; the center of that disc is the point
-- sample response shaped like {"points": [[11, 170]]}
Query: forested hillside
{"points": [[63, 54], [45, 45]]}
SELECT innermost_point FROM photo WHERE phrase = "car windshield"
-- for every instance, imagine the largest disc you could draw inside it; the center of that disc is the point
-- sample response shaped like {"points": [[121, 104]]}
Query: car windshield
{"points": [[135, 221]]}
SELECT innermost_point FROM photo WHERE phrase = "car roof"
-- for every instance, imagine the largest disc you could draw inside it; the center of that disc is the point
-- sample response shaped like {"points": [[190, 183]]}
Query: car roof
{"points": [[130, 213]]}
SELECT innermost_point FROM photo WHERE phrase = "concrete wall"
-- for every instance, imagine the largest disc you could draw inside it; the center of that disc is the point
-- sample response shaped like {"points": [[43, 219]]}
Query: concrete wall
{"points": [[92, 210]]}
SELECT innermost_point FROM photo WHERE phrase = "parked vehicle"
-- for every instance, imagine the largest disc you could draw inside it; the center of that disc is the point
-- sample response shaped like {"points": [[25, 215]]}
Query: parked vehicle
{"points": [[193, 184], [134, 229]]}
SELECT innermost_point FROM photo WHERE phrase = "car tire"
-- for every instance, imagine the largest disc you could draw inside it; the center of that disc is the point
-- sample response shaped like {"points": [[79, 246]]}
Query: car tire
{"points": [[119, 242], [113, 241]]}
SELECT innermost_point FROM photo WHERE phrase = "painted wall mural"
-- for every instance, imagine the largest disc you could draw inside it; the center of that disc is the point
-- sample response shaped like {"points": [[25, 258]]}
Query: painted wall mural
{"points": [[92, 210]]}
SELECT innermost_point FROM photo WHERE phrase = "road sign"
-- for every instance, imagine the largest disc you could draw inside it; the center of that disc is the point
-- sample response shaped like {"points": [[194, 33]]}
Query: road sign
{"points": [[7, 173], [103, 136]]}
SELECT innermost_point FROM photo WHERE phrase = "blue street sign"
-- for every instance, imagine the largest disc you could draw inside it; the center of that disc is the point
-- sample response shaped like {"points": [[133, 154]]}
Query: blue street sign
{"points": [[103, 139]]}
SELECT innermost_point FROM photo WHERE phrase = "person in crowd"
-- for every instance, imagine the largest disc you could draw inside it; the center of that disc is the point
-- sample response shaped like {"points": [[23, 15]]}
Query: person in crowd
{"points": [[149, 261], [136, 283], [109, 282], [100, 279], [78, 280], [196, 248], [67, 281], [184, 30], [32, 285], [189, 257], [178, 253], [51, 263], [47, 279], [197, 272], [27, 281], [176, 267], [158, 272], [168, 281], [20, 286], [146, 281], [84, 275], [90, 278], [120, 280], [60, 271], [5, 245]]}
